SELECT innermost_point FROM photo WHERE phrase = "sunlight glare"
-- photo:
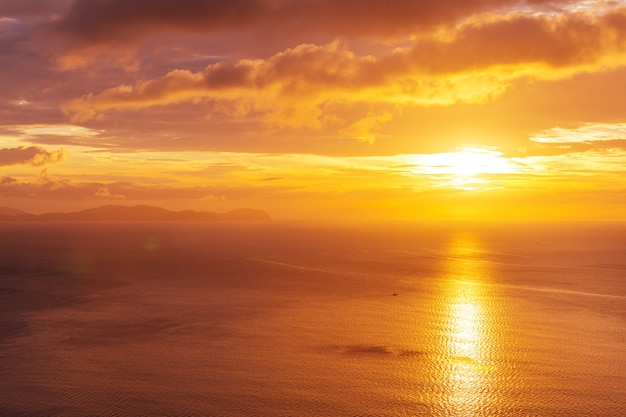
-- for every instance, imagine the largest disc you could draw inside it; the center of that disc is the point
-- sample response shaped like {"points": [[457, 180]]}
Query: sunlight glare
{"points": [[463, 169]]}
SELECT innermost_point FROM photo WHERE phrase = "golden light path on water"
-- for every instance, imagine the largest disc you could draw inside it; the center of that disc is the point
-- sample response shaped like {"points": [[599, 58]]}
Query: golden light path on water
{"points": [[467, 341]]}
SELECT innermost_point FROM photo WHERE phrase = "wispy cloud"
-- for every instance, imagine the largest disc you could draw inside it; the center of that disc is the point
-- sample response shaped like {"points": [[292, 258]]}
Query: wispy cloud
{"points": [[53, 130], [598, 132]]}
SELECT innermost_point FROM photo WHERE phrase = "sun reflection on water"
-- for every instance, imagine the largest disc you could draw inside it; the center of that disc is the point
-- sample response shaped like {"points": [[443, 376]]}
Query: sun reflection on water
{"points": [[465, 322], [466, 343]]}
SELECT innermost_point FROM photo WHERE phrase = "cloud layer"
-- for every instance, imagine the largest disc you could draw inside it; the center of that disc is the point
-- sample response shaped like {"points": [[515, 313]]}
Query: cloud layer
{"points": [[473, 63]]}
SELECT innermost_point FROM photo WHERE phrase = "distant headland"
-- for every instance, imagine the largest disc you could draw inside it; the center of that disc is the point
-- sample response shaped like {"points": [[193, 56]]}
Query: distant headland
{"points": [[134, 213]]}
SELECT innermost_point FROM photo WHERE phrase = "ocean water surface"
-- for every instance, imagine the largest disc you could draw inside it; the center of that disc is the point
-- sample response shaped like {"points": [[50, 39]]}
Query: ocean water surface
{"points": [[290, 319]]}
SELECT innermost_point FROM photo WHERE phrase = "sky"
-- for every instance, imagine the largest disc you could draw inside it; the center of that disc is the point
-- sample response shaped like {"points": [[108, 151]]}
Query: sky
{"points": [[510, 110]]}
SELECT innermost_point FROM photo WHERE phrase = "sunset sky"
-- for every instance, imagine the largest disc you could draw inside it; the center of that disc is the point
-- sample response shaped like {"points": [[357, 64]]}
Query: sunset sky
{"points": [[317, 109]]}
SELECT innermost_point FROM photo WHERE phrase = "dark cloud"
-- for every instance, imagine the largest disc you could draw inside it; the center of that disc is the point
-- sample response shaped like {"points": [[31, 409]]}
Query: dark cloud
{"points": [[93, 27], [7, 180], [26, 9]]}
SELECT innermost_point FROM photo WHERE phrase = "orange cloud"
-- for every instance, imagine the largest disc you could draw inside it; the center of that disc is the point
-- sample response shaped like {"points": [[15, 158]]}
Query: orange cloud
{"points": [[31, 155], [295, 88], [301, 86], [539, 44]]}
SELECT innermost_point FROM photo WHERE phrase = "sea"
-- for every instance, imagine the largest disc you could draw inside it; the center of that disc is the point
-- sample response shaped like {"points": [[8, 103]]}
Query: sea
{"points": [[312, 319]]}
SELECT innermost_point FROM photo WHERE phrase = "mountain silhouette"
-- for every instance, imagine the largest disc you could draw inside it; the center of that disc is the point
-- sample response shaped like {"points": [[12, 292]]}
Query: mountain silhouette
{"points": [[9, 211], [139, 213]]}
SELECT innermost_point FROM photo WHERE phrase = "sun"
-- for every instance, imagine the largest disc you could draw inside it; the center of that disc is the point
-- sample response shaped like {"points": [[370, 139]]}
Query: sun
{"points": [[467, 168]]}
